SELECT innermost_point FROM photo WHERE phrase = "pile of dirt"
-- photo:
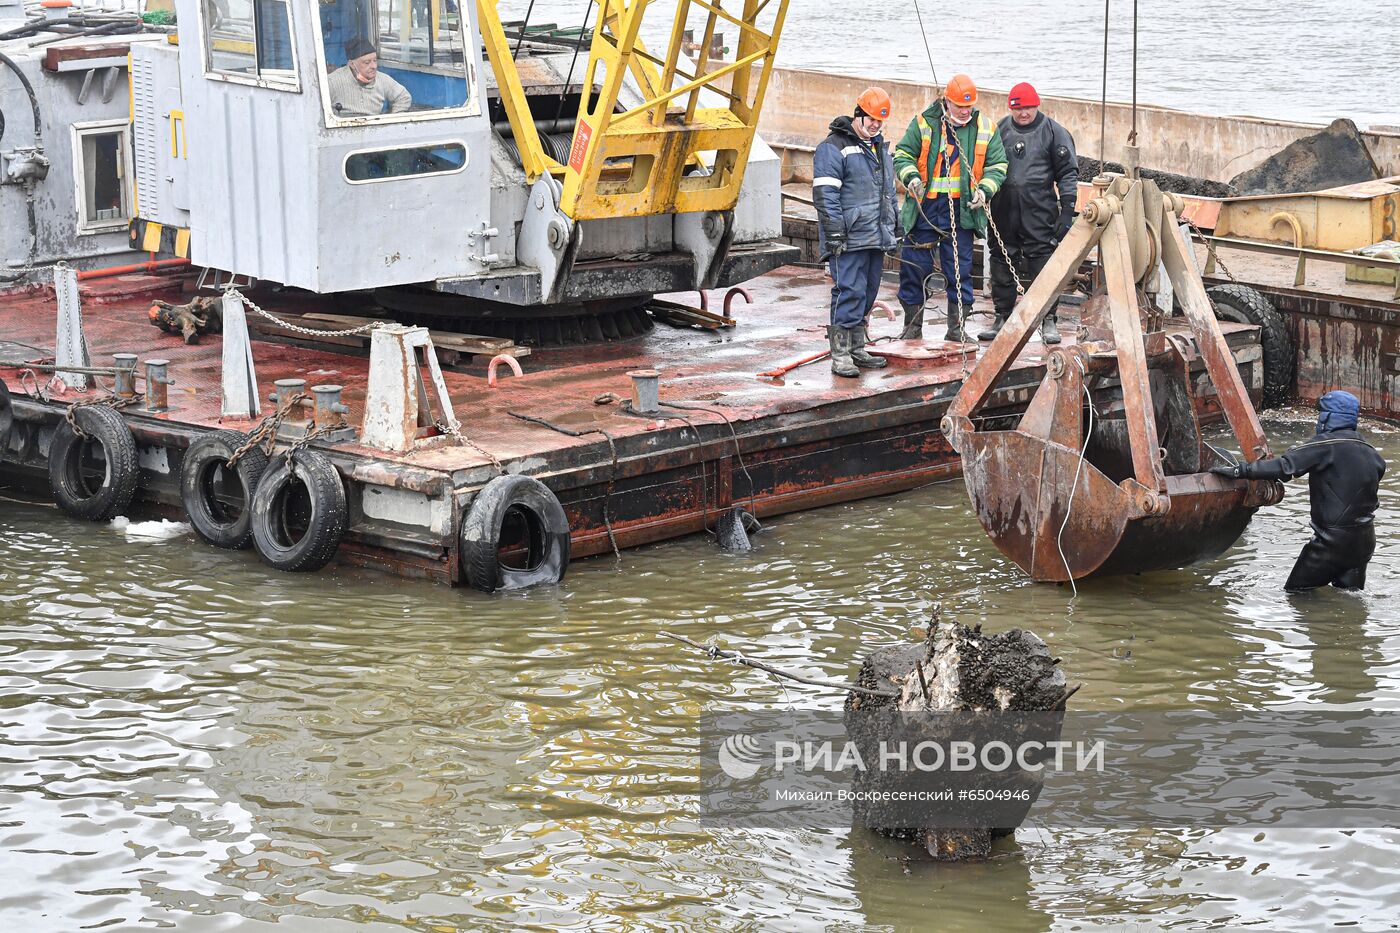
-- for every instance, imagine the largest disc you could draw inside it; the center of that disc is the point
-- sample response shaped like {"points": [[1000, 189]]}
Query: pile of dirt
{"points": [[1337, 156], [1167, 181]]}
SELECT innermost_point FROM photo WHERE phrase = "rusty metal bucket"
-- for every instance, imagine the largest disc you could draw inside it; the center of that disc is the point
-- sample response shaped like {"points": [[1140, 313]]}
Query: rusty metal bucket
{"points": [[1060, 518], [1113, 480]]}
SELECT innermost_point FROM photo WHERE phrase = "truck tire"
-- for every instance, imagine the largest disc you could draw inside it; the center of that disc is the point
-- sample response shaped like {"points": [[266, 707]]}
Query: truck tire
{"points": [[7, 418], [84, 487], [299, 512], [514, 511], [1241, 304], [211, 491]]}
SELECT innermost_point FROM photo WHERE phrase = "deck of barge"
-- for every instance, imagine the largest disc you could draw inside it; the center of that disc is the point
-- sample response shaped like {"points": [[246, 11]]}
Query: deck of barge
{"points": [[813, 440]]}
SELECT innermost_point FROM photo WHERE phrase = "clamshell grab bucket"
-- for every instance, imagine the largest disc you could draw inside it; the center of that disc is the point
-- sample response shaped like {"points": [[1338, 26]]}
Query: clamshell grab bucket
{"points": [[1107, 471]]}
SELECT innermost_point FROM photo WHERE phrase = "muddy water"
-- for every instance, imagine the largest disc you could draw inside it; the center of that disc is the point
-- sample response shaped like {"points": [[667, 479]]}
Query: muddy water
{"points": [[1310, 60], [189, 739]]}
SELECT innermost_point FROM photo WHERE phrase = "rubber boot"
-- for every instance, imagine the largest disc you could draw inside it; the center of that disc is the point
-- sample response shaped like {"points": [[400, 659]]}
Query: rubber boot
{"points": [[991, 332], [955, 332], [913, 322], [860, 357], [841, 363], [1049, 329]]}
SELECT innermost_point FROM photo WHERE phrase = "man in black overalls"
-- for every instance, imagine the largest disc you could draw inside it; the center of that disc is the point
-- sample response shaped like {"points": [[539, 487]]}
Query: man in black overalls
{"points": [[1344, 476], [1035, 206]]}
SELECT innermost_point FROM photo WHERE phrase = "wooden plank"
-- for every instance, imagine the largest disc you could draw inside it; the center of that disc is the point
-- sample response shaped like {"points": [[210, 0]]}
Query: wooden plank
{"points": [[465, 343]]}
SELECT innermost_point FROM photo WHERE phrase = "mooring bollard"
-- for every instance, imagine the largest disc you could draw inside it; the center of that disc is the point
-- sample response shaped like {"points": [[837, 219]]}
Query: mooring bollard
{"points": [[125, 375], [646, 390], [329, 412], [286, 397], [157, 382]]}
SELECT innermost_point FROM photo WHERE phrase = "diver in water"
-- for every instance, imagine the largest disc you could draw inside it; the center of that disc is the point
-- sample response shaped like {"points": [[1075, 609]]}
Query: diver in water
{"points": [[1344, 476]]}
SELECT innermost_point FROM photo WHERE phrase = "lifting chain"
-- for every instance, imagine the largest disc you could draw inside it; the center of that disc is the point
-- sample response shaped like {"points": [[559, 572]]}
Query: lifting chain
{"points": [[309, 331], [991, 224]]}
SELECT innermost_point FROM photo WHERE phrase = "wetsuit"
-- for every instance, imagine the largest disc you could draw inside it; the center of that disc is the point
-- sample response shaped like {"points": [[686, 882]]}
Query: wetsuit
{"points": [[1344, 475]]}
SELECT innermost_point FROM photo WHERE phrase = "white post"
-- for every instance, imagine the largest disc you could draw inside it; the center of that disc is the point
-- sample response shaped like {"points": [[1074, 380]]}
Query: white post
{"points": [[70, 347], [240, 380]]}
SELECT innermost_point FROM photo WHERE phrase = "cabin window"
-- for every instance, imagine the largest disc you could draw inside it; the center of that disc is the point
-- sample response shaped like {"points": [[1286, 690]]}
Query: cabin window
{"points": [[99, 160], [406, 161], [250, 40], [394, 59]]}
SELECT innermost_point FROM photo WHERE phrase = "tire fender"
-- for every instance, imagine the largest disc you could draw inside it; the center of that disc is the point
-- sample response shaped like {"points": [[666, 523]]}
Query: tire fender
{"points": [[201, 464], [1244, 305], [274, 511], [527, 503], [7, 418], [75, 493]]}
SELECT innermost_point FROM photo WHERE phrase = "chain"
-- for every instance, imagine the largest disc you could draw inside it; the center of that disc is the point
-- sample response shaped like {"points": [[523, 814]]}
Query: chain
{"points": [[991, 224], [265, 434], [1211, 251], [18, 272], [309, 331], [453, 429], [71, 412]]}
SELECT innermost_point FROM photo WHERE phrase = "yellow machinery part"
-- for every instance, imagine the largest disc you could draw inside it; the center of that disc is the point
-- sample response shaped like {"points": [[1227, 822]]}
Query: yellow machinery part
{"points": [[634, 163]]}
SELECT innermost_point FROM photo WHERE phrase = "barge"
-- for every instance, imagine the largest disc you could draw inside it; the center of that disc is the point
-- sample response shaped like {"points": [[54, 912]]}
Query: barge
{"points": [[579, 252]]}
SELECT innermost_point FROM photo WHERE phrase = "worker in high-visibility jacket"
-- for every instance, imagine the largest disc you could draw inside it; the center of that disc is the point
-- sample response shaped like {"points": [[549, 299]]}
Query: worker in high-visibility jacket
{"points": [[950, 161]]}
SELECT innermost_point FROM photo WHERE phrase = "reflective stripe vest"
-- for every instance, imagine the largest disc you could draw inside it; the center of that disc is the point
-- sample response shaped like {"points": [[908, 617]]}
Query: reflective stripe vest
{"points": [[947, 178]]}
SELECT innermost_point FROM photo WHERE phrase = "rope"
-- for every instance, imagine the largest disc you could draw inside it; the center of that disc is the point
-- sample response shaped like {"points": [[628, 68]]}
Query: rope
{"points": [[1132, 136], [924, 33], [612, 475], [716, 653], [523, 26], [559, 110], [739, 454]]}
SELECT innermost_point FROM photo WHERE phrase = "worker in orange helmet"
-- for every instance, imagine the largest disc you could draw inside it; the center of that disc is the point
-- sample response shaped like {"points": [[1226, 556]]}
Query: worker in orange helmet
{"points": [[951, 162], [853, 191]]}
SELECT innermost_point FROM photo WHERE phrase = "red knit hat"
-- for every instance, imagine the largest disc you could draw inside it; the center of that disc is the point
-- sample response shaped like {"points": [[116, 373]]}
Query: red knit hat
{"points": [[1022, 95]]}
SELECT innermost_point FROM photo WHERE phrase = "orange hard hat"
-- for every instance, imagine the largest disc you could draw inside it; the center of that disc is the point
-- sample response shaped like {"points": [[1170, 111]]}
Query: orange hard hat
{"points": [[874, 102], [961, 92]]}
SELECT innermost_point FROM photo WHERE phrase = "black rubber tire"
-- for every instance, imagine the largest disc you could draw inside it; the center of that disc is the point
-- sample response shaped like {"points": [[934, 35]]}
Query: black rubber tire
{"points": [[206, 458], [324, 515], [1243, 305], [74, 492], [7, 418], [518, 499]]}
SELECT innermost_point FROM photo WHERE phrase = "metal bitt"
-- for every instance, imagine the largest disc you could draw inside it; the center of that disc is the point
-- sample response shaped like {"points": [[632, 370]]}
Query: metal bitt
{"points": [[125, 375], [646, 390], [285, 395], [328, 414], [158, 384]]}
